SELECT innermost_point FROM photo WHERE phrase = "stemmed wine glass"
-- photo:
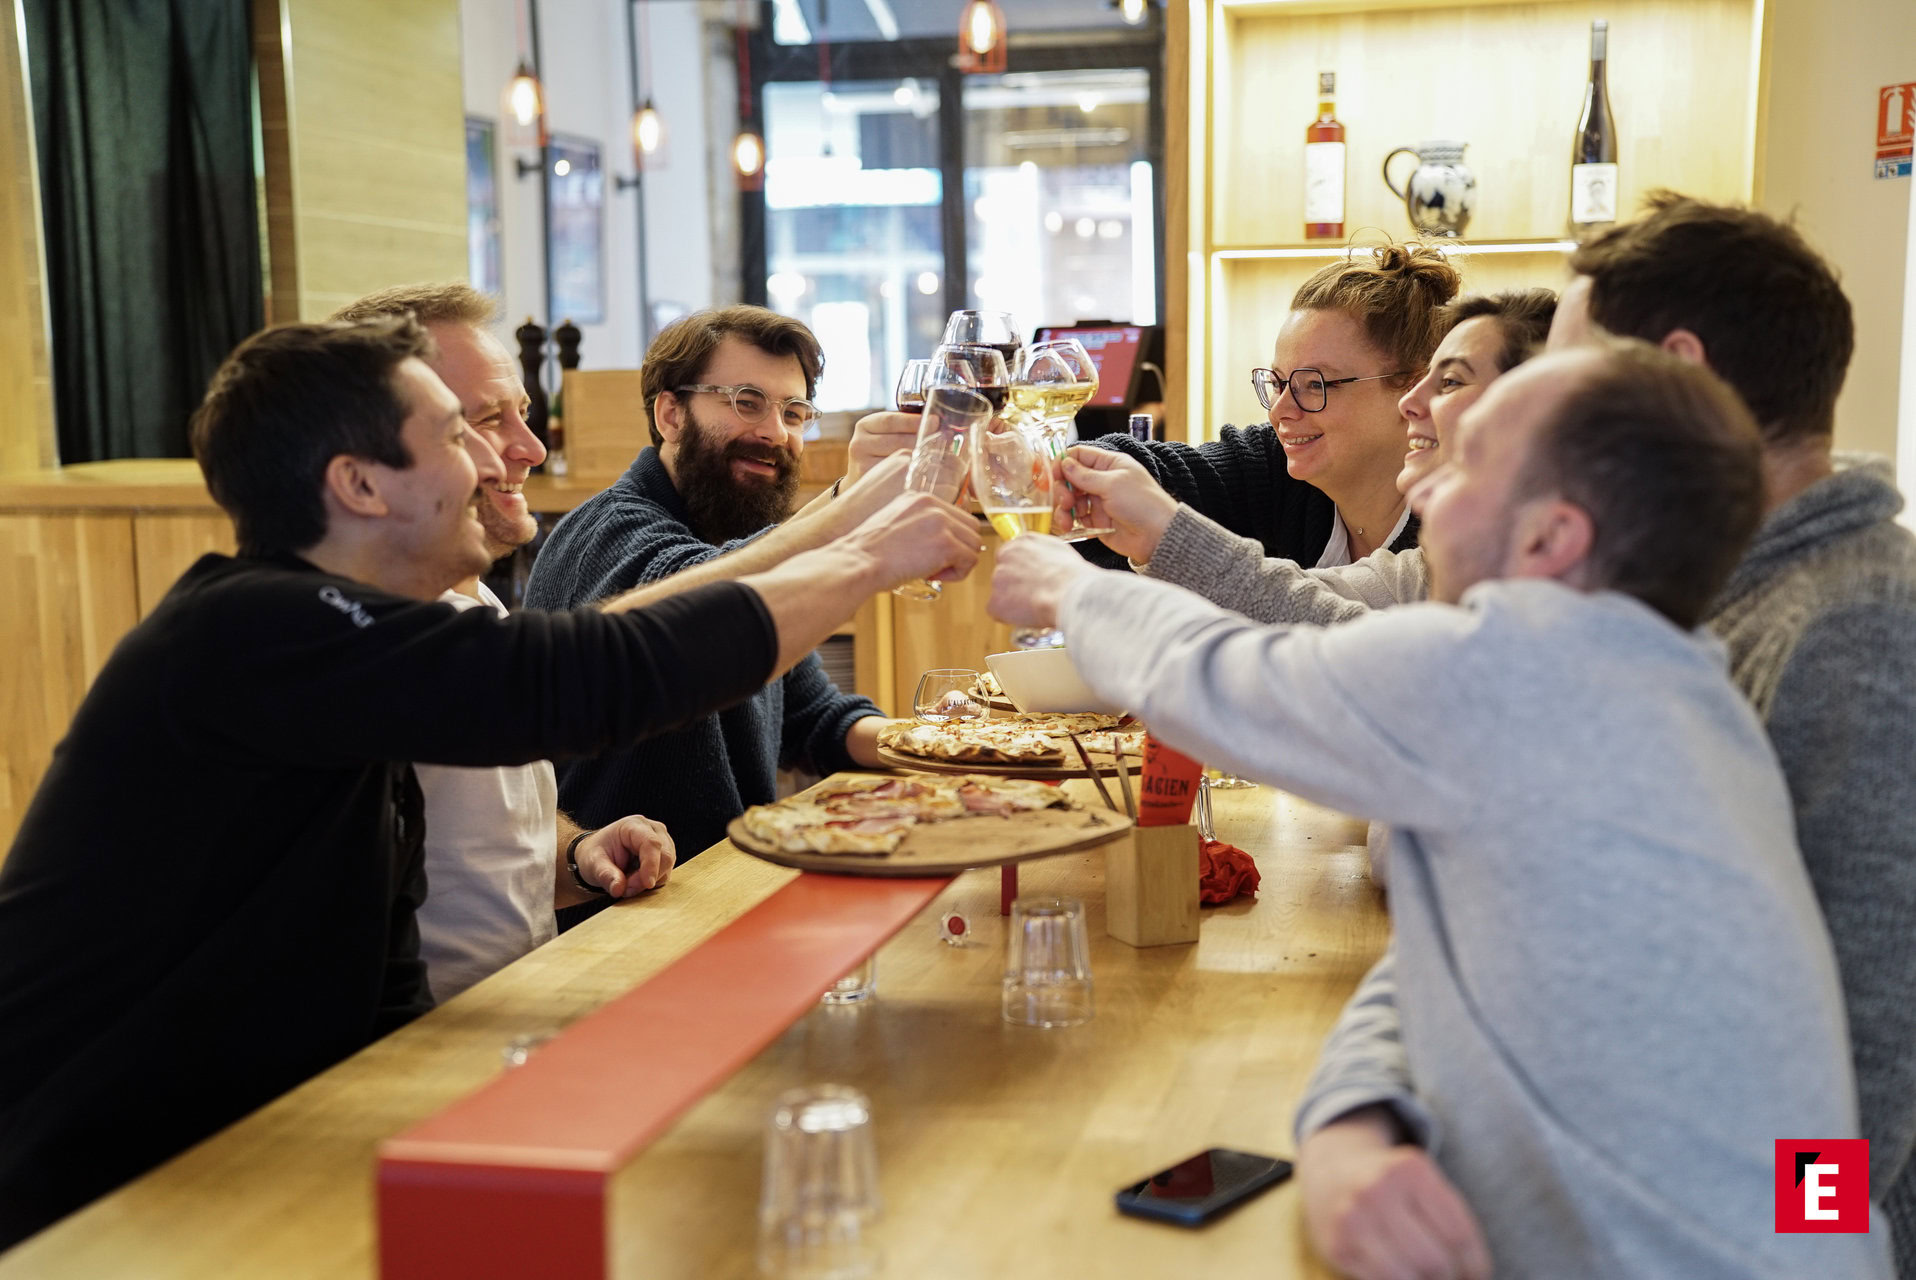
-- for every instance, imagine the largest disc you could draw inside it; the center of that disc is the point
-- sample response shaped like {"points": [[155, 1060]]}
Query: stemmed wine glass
{"points": [[1053, 381], [974, 365], [912, 381], [1011, 474], [986, 328], [938, 465]]}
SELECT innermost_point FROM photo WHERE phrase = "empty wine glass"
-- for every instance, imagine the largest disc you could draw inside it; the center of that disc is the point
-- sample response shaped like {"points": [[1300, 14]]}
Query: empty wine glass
{"points": [[1011, 474], [946, 696], [986, 328], [938, 462]]}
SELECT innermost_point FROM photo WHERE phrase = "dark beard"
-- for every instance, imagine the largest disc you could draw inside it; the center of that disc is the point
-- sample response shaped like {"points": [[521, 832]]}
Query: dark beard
{"points": [[721, 506]]}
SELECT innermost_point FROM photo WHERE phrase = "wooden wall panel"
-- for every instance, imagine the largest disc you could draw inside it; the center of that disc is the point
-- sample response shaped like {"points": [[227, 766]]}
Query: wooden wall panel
{"points": [[26, 383], [69, 587], [1506, 78], [165, 546], [953, 631], [365, 150]]}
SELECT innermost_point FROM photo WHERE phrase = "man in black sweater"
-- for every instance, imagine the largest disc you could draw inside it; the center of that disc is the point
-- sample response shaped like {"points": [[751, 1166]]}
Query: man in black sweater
{"points": [[211, 896], [727, 396]]}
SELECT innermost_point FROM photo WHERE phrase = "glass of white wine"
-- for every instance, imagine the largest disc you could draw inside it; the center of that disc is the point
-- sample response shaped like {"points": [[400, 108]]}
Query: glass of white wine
{"points": [[1053, 381], [938, 463], [1011, 475]]}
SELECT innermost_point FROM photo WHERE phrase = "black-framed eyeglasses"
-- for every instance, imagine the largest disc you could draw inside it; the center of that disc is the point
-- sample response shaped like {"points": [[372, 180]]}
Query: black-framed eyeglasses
{"points": [[751, 405], [1309, 388]]}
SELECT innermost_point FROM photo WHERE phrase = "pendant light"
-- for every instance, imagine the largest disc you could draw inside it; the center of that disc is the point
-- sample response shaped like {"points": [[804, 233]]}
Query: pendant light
{"points": [[981, 38], [525, 98], [748, 148], [648, 126]]}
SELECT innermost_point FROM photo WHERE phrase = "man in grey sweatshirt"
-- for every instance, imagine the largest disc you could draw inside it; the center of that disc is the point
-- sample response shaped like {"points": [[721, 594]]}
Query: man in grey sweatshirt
{"points": [[1610, 991], [1819, 618]]}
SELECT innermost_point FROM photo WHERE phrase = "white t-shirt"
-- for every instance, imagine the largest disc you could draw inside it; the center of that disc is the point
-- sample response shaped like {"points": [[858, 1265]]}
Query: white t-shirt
{"points": [[490, 837]]}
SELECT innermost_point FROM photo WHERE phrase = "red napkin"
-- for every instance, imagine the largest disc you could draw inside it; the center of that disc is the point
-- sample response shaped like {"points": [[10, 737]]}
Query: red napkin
{"points": [[1224, 872]]}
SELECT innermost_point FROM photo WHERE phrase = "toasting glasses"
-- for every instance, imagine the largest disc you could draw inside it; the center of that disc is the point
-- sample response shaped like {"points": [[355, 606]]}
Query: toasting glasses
{"points": [[1011, 473], [950, 416], [1053, 381], [986, 328]]}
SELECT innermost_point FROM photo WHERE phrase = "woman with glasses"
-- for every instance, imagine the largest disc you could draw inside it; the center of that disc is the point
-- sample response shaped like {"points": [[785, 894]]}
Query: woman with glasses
{"points": [[1316, 482]]}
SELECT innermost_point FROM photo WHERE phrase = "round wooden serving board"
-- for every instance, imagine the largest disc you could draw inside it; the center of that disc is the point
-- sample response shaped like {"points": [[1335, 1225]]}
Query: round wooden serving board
{"points": [[1071, 768], [946, 848]]}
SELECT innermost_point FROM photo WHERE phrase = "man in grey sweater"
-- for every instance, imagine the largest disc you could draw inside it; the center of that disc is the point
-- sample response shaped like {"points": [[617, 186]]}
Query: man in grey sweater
{"points": [[1819, 618], [1610, 991]]}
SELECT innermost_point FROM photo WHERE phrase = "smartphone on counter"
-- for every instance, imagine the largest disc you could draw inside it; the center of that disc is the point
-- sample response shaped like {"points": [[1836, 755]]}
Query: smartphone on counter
{"points": [[1192, 1192]]}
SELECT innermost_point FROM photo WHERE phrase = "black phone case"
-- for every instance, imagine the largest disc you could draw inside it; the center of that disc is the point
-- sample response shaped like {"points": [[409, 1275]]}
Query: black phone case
{"points": [[1196, 1215]]}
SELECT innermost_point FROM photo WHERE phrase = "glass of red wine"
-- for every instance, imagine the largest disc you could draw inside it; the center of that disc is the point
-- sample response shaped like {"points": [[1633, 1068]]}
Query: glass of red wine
{"points": [[989, 329], [974, 365], [912, 383]]}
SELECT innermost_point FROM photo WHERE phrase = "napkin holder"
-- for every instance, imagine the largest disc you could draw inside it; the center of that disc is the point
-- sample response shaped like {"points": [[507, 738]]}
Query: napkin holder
{"points": [[1151, 886]]}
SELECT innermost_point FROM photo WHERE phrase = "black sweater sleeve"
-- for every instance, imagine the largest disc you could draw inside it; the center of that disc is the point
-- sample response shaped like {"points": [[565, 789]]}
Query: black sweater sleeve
{"points": [[337, 672]]}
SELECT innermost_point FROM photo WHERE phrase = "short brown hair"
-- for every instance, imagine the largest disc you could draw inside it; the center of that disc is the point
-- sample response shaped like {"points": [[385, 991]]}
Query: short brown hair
{"points": [[1669, 464], [286, 403], [1395, 296], [1523, 319], [430, 304], [679, 354], [1772, 318]]}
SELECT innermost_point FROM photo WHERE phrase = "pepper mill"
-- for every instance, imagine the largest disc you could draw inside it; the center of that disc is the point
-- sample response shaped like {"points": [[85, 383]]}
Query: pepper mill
{"points": [[532, 359]]}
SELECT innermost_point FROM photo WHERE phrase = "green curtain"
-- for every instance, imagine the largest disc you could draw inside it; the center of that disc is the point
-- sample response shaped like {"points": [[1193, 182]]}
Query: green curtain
{"points": [[143, 117]]}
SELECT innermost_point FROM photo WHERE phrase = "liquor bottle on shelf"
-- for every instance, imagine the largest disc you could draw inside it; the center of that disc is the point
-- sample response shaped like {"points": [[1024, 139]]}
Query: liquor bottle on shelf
{"points": [[1324, 166], [1593, 154]]}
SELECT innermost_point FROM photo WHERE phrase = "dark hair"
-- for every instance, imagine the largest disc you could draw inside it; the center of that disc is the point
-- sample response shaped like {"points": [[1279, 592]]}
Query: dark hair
{"points": [[1772, 318], [1396, 296], [430, 304], [1668, 462], [287, 402], [679, 354], [1523, 319]]}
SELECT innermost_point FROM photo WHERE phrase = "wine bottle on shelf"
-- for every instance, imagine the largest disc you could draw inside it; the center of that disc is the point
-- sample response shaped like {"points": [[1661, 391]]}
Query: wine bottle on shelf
{"points": [[1324, 166], [1593, 154]]}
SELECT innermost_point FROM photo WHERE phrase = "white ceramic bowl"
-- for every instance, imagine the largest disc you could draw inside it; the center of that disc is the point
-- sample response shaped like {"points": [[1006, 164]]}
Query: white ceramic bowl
{"points": [[1045, 680]]}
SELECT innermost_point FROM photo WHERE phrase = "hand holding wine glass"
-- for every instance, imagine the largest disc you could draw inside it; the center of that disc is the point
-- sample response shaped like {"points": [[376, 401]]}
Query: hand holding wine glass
{"points": [[1053, 381], [1011, 474], [938, 460]]}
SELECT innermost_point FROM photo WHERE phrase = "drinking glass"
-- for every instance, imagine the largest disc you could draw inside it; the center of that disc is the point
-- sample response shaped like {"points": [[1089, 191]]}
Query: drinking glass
{"points": [[1222, 781], [1052, 382], [1047, 964], [912, 380], [974, 365], [859, 985], [819, 1197], [938, 464], [1011, 475], [989, 328], [944, 696]]}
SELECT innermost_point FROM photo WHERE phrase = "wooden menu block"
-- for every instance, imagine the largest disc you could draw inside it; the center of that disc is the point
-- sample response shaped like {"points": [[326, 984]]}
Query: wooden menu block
{"points": [[1151, 886]]}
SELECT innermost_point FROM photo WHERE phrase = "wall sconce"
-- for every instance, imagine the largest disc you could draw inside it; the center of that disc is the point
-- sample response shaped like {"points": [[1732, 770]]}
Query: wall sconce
{"points": [[981, 38]]}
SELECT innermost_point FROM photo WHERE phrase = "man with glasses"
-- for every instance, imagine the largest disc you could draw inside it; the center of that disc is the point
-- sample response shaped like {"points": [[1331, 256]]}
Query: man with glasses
{"points": [[728, 394]]}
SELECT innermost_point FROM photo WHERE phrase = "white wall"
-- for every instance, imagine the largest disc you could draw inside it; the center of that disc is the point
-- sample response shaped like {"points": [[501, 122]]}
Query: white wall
{"points": [[585, 70]]}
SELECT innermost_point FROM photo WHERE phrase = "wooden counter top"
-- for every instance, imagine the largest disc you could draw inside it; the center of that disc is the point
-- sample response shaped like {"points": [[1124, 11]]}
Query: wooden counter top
{"points": [[999, 1147]]}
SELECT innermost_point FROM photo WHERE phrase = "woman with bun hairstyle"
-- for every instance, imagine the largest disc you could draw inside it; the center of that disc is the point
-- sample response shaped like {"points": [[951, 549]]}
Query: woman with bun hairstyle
{"points": [[1316, 482]]}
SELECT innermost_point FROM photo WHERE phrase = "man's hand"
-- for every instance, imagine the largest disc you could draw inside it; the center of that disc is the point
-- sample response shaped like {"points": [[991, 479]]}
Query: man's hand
{"points": [[875, 437], [1031, 579], [917, 536], [1118, 492], [627, 857], [861, 499], [1379, 1210]]}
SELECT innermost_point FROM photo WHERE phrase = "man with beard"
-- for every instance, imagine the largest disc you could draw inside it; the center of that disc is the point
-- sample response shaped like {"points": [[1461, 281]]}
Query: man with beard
{"points": [[727, 393], [500, 856]]}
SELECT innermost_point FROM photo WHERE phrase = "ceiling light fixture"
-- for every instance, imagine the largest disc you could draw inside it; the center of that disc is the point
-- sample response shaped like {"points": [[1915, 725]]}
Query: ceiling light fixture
{"points": [[981, 38]]}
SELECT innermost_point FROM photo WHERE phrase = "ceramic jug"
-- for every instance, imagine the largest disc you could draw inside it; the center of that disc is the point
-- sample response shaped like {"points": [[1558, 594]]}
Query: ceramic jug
{"points": [[1441, 191]]}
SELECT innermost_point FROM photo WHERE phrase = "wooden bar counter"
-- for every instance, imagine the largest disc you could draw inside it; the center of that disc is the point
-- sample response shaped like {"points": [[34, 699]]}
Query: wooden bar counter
{"points": [[998, 1146]]}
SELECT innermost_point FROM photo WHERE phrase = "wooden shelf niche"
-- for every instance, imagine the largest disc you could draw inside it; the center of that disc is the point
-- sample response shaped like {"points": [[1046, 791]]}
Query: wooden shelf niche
{"points": [[1507, 78]]}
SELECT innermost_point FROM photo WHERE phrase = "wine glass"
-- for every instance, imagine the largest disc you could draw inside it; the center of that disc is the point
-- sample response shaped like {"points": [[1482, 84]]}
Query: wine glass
{"points": [[945, 696], [974, 365], [986, 328], [1053, 381], [1011, 474], [911, 385], [938, 463]]}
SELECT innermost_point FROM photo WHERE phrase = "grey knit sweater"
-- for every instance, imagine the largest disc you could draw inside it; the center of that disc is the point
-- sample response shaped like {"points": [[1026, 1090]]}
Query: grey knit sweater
{"points": [[1820, 622]]}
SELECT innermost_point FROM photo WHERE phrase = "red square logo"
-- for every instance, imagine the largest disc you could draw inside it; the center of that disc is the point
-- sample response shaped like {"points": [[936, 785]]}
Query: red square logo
{"points": [[1822, 1185]]}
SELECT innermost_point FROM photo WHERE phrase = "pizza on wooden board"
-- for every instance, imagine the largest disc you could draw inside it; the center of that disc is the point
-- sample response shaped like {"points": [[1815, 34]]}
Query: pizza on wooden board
{"points": [[1023, 738], [872, 816]]}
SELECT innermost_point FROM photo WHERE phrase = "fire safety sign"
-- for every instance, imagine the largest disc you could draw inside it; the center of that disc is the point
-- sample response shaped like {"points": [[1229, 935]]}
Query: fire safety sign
{"points": [[1895, 129]]}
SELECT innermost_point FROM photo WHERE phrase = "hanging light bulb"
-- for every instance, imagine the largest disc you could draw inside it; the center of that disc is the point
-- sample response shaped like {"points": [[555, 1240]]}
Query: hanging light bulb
{"points": [[981, 37], [526, 101], [1133, 11], [648, 129], [748, 159]]}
